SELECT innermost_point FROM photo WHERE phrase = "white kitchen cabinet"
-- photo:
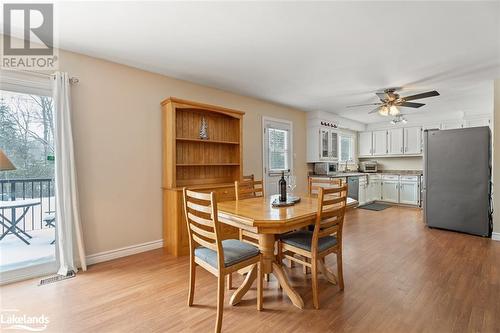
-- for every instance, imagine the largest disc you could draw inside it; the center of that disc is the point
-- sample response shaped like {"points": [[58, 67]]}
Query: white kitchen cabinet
{"points": [[334, 146], [321, 145], [365, 144], [431, 126], [390, 188], [379, 142], [324, 144], [390, 191], [374, 191], [395, 141], [409, 193], [478, 122], [362, 191], [452, 124], [412, 140]]}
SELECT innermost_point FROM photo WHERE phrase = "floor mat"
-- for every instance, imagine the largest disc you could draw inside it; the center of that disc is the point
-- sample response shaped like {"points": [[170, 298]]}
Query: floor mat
{"points": [[375, 206]]}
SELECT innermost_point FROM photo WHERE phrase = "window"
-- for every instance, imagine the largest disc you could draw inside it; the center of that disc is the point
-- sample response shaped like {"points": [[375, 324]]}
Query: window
{"points": [[278, 149], [346, 148]]}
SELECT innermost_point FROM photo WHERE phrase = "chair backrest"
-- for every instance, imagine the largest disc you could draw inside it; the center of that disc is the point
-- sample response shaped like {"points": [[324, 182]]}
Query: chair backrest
{"points": [[203, 226], [249, 177], [248, 189], [330, 216], [315, 184]]}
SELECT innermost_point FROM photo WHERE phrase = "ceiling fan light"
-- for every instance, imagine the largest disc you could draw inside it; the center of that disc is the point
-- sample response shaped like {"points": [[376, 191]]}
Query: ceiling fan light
{"points": [[384, 111], [393, 111]]}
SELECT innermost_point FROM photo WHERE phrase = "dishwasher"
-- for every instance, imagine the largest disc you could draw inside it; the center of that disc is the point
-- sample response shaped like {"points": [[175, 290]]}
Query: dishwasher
{"points": [[353, 187]]}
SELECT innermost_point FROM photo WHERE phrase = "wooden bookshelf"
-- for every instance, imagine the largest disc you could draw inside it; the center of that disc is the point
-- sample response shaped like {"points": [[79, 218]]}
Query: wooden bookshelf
{"points": [[207, 165]]}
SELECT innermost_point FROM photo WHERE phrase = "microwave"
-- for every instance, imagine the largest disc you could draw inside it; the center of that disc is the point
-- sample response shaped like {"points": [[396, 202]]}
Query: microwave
{"points": [[369, 166], [325, 168]]}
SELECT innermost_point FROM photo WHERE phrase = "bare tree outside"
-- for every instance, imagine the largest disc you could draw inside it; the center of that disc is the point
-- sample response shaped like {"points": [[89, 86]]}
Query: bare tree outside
{"points": [[27, 134]]}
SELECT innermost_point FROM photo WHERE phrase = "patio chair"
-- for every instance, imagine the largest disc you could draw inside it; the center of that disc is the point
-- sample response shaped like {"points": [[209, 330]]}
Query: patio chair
{"points": [[50, 221]]}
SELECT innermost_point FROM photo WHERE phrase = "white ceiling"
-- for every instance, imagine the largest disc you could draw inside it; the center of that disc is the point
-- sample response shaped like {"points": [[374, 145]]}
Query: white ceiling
{"points": [[308, 55]]}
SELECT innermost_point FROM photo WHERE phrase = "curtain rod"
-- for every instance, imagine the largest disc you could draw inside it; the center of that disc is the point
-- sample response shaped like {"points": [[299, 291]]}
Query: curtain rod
{"points": [[72, 80]]}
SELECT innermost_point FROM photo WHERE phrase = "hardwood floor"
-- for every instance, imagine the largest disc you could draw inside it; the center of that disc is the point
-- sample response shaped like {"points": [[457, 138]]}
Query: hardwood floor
{"points": [[399, 277]]}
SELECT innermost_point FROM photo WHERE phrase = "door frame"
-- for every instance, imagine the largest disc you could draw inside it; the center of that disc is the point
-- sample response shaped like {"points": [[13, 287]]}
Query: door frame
{"points": [[264, 159]]}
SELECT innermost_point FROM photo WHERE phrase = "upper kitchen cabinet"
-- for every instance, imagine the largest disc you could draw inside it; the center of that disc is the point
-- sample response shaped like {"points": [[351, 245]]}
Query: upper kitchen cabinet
{"points": [[478, 122], [395, 141], [372, 143], [379, 143], [392, 142], [322, 144], [365, 144], [452, 124], [412, 140]]}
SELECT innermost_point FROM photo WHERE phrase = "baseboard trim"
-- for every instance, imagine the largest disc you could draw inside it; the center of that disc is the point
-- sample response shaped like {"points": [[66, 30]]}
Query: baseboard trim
{"points": [[495, 236], [123, 252]]}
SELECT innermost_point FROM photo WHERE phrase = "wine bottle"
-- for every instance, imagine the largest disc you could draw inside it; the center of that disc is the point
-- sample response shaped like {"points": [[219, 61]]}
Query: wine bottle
{"points": [[282, 185]]}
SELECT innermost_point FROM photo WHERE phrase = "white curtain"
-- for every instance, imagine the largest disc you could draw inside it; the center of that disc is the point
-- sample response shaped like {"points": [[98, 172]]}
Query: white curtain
{"points": [[68, 227]]}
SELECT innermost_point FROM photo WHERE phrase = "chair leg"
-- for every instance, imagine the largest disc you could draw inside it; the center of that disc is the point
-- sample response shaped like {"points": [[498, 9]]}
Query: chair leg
{"points": [[260, 287], [192, 276], [314, 274], [229, 278], [340, 272], [306, 270], [220, 303], [266, 277]]}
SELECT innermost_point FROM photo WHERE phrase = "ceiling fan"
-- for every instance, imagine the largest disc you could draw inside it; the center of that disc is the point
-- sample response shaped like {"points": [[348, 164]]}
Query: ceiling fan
{"points": [[390, 101]]}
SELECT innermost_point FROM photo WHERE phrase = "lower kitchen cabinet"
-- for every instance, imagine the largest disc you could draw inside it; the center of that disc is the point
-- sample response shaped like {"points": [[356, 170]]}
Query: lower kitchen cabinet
{"points": [[374, 191], [409, 193], [390, 191], [363, 191]]}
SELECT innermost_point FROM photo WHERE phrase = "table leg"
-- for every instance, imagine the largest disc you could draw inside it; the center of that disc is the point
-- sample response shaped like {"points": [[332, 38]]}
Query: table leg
{"points": [[285, 284], [245, 286], [326, 272], [269, 265]]}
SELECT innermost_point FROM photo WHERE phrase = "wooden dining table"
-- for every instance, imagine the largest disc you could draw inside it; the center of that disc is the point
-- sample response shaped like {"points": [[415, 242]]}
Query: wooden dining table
{"points": [[257, 215]]}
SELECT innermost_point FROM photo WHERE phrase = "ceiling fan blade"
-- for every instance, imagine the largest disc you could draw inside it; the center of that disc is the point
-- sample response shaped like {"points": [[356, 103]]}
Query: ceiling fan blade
{"points": [[355, 106], [382, 95], [422, 95], [410, 104], [374, 110]]}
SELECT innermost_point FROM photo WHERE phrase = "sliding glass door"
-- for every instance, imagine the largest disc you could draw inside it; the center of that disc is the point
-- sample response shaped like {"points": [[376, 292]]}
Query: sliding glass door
{"points": [[27, 205]]}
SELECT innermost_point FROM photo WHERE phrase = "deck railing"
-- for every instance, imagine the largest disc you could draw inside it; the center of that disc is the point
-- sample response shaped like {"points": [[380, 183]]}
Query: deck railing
{"points": [[29, 188]]}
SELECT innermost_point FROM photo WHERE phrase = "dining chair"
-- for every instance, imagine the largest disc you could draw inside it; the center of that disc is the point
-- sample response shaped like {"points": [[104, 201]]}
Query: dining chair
{"points": [[246, 189], [326, 238], [314, 184], [248, 177], [208, 250], [313, 187]]}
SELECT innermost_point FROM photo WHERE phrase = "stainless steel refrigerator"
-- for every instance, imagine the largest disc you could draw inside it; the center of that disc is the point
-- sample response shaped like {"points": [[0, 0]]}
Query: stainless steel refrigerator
{"points": [[457, 180]]}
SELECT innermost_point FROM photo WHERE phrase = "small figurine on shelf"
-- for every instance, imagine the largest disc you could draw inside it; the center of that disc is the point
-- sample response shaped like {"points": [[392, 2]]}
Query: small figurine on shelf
{"points": [[203, 129]]}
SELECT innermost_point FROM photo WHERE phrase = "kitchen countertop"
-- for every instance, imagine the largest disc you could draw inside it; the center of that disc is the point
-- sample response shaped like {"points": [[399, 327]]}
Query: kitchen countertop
{"points": [[354, 173]]}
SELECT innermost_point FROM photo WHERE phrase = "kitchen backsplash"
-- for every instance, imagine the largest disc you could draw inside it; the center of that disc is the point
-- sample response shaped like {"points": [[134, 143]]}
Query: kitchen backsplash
{"points": [[397, 163]]}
